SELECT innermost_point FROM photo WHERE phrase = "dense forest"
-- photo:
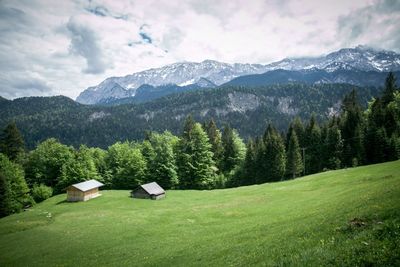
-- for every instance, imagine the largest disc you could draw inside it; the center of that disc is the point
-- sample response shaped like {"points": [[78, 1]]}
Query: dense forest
{"points": [[203, 156], [248, 110]]}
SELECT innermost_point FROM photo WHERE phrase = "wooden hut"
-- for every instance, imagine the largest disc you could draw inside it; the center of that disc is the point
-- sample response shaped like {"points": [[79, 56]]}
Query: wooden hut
{"points": [[83, 191], [149, 191]]}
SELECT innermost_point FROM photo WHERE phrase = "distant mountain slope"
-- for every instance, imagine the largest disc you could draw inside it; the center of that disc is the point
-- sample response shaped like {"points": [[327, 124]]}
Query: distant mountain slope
{"points": [[349, 65], [203, 74], [315, 76], [361, 58], [246, 109]]}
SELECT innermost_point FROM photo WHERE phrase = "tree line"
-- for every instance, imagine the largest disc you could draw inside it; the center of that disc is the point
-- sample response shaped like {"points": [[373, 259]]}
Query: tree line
{"points": [[244, 108], [204, 156]]}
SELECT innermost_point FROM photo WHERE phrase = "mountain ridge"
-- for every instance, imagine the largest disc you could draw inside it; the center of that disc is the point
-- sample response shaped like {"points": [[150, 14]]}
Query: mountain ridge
{"points": [[360, 58], [246, 109]]}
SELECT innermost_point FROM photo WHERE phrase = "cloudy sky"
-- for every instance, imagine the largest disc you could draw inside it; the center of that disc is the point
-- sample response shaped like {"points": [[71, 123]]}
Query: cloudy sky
{"points": [[62, 47]]}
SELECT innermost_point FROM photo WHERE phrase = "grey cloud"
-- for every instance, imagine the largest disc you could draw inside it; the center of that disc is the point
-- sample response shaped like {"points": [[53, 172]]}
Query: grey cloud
{"points": [[12, 19], [361, 22], [84, 43], [21, 84], [388, 6]]}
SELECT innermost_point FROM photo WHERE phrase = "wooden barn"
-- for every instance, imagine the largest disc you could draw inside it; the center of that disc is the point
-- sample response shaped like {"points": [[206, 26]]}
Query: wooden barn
{"points": [[149, 191], [83, 191]]}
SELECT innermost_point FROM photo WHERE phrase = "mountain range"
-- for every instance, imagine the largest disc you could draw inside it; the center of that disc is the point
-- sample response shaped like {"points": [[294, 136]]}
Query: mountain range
{"points": [[362, 66]]}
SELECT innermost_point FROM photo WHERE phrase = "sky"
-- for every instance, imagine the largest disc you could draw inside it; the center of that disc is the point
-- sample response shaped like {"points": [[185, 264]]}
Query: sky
{"points": [[62, 47]]}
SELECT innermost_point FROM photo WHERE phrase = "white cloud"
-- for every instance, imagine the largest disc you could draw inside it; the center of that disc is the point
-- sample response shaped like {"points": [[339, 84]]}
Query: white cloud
{"points": [[63, 47]]}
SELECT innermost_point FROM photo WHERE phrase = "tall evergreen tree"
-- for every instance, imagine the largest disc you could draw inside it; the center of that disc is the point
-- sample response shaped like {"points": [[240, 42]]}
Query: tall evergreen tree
{"points": [[249, 166], [294, 159], [352, 128], [214, 135], [234, 150], [12, 143], [196, 168], [333, 148], [272, 157], [390, 89], [298, 127], [229, 155], [149, 155], [313, 147]]}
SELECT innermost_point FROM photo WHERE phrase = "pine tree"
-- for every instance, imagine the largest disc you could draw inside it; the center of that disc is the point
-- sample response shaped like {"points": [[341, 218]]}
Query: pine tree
{"points": [[352, 129], [196, 167], [234, 150], [249, 165], [333, 148], [12, 143], [390, 89], [271, 157], [294, 160], [214, 135], [228, 158], [298, 127], [313, 145]]}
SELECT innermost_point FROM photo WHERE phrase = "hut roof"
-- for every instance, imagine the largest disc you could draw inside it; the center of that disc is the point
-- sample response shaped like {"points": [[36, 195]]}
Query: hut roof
{"points": [[153, 188], [87, 185]]}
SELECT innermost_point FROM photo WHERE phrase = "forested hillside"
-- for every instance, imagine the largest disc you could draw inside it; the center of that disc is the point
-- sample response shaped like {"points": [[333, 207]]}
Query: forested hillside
{"points": [[248, 110]]}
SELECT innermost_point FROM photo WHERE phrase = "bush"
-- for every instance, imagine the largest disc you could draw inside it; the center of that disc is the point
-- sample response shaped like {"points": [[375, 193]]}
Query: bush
{"points": [[41, 192]]}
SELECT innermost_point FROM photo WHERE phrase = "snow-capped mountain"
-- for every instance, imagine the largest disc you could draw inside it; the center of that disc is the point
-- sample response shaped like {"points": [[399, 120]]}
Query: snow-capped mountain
{"points": [[211, 73], [204, 74], [361, 58]]}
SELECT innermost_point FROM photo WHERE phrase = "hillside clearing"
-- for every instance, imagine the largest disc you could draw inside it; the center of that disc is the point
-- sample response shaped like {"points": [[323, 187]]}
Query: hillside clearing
{"points": [[344, 217]]}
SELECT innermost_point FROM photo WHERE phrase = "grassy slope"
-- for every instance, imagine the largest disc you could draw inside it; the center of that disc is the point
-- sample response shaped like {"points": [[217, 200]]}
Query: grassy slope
{"points": [[299, 222]]}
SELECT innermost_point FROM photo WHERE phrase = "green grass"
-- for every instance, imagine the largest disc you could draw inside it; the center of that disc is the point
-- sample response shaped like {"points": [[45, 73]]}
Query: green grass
{"points": [[346, 217]]}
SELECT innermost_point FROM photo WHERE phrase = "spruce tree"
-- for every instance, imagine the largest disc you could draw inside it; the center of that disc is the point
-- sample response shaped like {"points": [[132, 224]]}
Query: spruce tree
{"points": [[333, 148], [249, 165], [234, 150], [272, 157], [352, 129], [390, 89], [228, 158], [294, 159], [298, 127], [313, 147], [196, 167], [12, 143], [214, 135]]}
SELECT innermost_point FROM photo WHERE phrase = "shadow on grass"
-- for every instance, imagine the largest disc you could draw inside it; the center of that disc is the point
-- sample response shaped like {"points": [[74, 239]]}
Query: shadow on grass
{"points": [[63, 201]]}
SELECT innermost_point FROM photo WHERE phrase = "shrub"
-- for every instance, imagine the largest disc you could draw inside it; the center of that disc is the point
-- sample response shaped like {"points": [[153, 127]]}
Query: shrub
{"points": [[41, 192]]}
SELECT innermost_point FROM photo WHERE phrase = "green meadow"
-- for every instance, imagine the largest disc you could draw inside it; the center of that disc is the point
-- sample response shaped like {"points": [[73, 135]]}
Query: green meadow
{"points": [[347, 217]]}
